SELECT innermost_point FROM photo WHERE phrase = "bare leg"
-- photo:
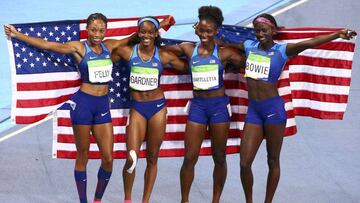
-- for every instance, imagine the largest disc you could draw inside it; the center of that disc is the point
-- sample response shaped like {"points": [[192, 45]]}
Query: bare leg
{"points": [[250, 143], [82, 142], [104, 136], [218, 134], [274, 137], [194, 135], [134, 138], [155, 135]]}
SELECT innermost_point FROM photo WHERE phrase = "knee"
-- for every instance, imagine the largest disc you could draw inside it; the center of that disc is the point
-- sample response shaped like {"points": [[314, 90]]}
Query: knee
{"points": [[273, 162], [190, 160], [82, 157], [131, 161], [152, 158], [219, 158], [245, 164], [107, 161]]}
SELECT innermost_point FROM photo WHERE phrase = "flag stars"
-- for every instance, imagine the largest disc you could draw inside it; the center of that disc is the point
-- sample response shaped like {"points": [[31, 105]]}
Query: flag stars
{"points": [[112, 100], [43, 29], [117, 74], [44, 64], [124, 89], [58, 60], [19, 29], [25, 60], [68, 27], [38, 34], [23, 49], [57, 39], [65, 64], [32, 65], [124, 79], [37, 59], [117, 84], [18, 65], [118, 95], [45, 38], [56, 28], [74, 33], [69, 38], [16, 44], [17, 55], [55, 64], [51, 34], [27, 34], [48, 58], [31, 54], [111, 89], [62, 33]]}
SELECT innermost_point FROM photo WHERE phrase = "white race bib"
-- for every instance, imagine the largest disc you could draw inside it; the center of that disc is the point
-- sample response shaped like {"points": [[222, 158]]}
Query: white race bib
{"points": [[100, 70], [143, 79], [257, 66], [205, 77]]}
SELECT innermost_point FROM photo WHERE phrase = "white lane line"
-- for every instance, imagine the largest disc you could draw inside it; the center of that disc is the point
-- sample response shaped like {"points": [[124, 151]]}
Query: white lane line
{"points": [[8, 136], [286, 8]]}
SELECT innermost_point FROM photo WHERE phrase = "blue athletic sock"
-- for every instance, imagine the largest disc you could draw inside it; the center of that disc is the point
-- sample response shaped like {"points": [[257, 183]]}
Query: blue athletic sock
{"points": [[103, 179], [80, 179]]}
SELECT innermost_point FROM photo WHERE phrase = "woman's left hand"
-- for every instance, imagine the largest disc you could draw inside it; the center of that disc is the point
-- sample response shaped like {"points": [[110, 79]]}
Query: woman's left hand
{"points": [[347, 34]]}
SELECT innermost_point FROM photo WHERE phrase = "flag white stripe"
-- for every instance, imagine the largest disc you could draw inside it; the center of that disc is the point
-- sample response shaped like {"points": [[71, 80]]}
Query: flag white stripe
{"points": [[48, 77], [318, 70], [46, 94], [321, 106], [320, 88]]}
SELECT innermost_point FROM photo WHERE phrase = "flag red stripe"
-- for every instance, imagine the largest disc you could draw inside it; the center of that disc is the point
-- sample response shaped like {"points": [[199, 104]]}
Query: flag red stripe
{"points": [[302, 111], [52, 85], [33, 103], [29, 119], [320, 79], [320, 62], [304, 94]]}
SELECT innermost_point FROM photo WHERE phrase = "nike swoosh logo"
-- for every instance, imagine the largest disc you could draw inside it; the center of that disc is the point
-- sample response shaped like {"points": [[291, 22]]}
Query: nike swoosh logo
{"points": [[271, 115], [195, 62], [136, 63], [103, 114], [158, 105], [91, 58]]}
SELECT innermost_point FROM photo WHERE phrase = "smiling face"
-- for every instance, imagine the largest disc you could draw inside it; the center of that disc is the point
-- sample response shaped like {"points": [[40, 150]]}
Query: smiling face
{"points": [[147, 33], [206, 30], [96, 31], [264, 33]]}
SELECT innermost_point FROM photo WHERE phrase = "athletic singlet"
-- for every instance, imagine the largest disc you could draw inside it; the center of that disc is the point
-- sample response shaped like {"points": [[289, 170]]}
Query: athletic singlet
{"points": [[264, 65], [144, 75], [206, 72], [96, 68]]}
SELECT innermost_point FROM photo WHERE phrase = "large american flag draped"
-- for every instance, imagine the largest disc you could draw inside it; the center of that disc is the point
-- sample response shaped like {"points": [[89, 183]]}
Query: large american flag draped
{"points": [[316, 83]]}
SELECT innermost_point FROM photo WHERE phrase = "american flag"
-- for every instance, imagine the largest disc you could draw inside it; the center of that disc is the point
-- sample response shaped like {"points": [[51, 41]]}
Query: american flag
{"points": [[316, 83]]}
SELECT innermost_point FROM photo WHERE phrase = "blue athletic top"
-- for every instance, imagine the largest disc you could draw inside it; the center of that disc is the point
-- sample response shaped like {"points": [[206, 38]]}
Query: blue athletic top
{"points": [[145, 75], [206, 72], [96, 68], [264, 65]]}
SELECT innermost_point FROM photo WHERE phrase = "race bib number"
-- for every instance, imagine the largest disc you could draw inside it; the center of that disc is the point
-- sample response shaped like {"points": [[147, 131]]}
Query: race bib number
{"points": [[144, 79], [100, 70], [205, 77], [257, 66]]}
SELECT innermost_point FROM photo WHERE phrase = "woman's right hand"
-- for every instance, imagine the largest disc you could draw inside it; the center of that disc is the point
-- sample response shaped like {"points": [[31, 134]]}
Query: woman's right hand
{"points": [[10, 30]]}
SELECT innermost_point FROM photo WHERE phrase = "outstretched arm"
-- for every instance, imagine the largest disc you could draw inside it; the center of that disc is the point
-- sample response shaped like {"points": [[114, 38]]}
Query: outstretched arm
{"points": [[73, 47], [233, 58], [133, 38], [175, 62], [296, 48], [183, 49]]}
